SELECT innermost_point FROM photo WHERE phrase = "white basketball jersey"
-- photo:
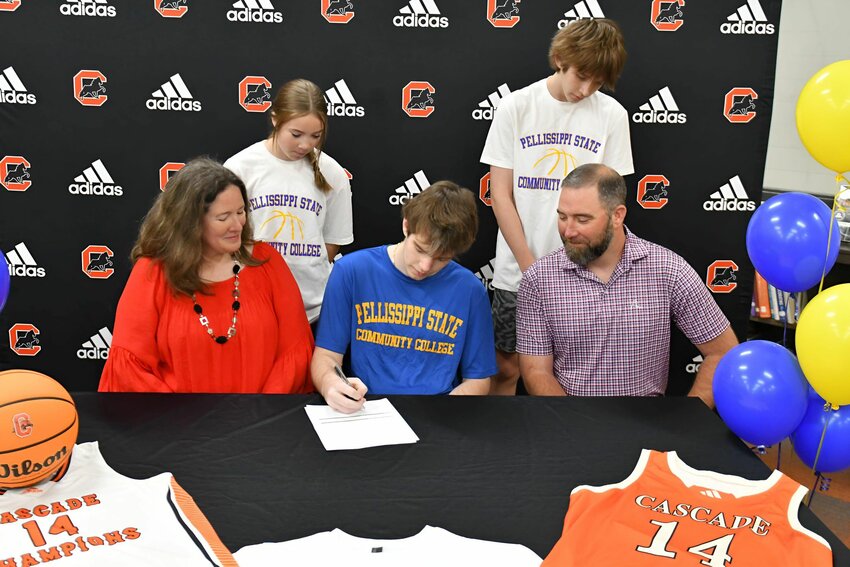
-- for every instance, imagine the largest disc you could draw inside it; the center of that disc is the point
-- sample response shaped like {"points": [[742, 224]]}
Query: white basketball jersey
{"points": [[95, 517], [430, 547]]}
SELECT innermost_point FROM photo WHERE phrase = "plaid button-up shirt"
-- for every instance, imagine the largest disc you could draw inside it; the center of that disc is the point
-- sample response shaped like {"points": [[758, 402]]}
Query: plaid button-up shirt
{"points": [[613, 339]]}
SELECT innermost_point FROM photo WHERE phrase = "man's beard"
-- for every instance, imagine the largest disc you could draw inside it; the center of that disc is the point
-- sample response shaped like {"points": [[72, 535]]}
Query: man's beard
{"points": [[584, 255]]}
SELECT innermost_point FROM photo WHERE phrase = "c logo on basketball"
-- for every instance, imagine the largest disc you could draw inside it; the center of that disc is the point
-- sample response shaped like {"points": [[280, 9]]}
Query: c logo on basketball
{"points": [[739, 105], [90, 87], [666, 15], [171, 8], [15, 173], [503, 13], [337, 11], [255, 94], [23, 339], [97, 262], [721, 276], [484, 190], [10, 6], [416, 99], [22, 425], [167, 171], [652, 191]]}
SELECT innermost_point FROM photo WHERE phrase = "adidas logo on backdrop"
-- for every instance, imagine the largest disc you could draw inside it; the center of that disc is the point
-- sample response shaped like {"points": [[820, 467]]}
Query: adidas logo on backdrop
{"points": [[730, 197], [411, 188], [12, 90], [341, 102], [258, 11], [748, 19], [585, 9], [87, 8], [97, 347], [420, 14], [488, 106], [485, 274], [693, 365], [95, 180], [661, 109], [22, 264], [173, 95]]}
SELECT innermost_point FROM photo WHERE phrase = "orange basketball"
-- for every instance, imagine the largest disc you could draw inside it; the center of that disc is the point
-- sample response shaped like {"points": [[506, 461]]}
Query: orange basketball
{"points": [[38, 427]]}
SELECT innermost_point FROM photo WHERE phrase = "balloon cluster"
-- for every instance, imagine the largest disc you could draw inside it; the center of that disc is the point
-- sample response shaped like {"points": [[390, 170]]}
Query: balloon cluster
{"points": [[762, 392]]}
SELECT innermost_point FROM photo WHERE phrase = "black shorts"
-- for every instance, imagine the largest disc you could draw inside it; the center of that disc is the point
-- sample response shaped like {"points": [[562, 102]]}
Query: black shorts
{"points": [[504, 319]]}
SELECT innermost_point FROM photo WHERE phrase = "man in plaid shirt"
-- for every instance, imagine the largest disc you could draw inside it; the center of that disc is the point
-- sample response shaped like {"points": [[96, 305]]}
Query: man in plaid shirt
{"points": [[593, 317]]}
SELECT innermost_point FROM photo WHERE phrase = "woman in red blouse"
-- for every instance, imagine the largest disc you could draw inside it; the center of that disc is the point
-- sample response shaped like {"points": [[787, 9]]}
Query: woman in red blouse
{"points": [[207, 309]]}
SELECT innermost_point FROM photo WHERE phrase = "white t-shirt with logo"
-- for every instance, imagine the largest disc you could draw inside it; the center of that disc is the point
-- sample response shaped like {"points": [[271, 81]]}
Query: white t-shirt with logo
{"points": [[542, 139], [429, 548], [294, 216]]}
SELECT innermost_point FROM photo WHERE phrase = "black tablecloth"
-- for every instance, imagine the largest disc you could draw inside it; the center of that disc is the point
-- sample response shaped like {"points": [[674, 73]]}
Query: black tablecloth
{"points": [[491, 468]]}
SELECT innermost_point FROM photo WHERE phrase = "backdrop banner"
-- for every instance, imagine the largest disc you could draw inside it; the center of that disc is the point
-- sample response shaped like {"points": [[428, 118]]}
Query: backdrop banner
{"points": [[102, 100]]}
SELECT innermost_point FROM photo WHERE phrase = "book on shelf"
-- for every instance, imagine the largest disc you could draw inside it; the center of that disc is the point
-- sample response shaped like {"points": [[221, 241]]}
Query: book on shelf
{"points": [[771, 303]]}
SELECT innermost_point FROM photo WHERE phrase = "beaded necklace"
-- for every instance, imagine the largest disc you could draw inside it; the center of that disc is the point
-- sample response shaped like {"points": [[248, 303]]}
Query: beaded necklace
{"points": [[221, 339]]}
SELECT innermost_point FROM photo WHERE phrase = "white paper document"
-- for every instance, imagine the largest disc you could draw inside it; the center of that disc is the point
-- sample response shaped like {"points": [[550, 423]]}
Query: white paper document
{"points": [[377, 424]]}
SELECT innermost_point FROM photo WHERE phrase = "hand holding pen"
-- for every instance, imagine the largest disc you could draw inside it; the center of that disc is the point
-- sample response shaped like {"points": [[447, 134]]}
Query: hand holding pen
{"points": [[351, 390]]}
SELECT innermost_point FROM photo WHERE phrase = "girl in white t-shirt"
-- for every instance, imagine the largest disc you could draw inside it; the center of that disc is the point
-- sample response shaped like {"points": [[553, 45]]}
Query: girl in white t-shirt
{"points": [[299, 197]]}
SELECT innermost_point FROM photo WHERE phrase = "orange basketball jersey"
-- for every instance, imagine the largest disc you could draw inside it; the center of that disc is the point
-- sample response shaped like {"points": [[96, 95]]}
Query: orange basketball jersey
{"points": [[666, 513]]}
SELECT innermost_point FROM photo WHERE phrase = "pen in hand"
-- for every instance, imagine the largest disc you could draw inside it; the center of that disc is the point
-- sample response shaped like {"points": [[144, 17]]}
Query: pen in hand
{"points": [[343, 377]]}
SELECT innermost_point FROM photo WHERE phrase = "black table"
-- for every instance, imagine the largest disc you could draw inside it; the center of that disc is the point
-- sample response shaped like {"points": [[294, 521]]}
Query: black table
{"points": [[490, 468]]}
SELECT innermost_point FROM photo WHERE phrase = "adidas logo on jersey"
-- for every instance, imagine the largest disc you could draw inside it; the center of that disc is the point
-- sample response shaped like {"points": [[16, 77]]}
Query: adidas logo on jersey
{"points": [[173, 95], [87, 8], [21, 263], [420, 14], [585, 9], [95, 180], [488, 106], [411, 188], [661, 109], [257, 11], [748, 19], [730, 197], [485, 274], [97, 347], [693, 366], [341, 102], [12, 90]]}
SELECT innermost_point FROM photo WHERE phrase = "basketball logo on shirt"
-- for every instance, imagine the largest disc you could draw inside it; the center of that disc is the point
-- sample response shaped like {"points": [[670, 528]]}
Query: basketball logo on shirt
{"points": [[417, 100], [739, 105], [484, 190], [22, 425], [652, 191], [666, 15], [559, 155], [721, 276], [286, 218]]}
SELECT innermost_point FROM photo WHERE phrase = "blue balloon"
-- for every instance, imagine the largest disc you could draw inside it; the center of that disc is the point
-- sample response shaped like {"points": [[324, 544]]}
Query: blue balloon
{"points": [[835, 453], [760, 392], [786, 241], [5, 281]]}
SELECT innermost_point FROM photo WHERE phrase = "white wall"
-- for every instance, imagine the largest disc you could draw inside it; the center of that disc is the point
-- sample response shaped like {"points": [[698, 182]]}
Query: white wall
{"points": [[812, 34]]}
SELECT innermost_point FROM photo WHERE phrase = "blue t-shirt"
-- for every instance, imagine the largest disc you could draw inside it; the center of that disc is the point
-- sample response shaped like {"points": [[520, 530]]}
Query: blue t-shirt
{"points": [[407, 336]]}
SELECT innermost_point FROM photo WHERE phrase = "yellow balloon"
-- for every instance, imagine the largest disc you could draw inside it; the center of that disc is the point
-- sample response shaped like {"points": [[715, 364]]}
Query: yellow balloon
{"points": [[823, 343], [823, 116]]}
